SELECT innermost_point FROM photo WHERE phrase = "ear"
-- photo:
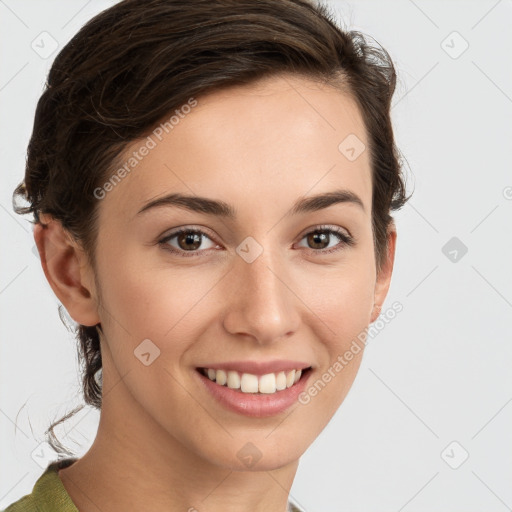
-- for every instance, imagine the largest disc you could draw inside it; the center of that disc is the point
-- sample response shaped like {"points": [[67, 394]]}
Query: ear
{"points": [[384, 277], [67, 270]]}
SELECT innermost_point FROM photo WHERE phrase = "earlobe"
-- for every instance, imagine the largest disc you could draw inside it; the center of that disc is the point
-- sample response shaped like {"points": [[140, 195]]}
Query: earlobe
{"points": [[384, 277], [67, 270], [375, 312]]}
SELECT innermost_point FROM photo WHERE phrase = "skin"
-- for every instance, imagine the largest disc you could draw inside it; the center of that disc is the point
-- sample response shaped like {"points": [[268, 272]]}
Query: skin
{"points": [[161, 438]]}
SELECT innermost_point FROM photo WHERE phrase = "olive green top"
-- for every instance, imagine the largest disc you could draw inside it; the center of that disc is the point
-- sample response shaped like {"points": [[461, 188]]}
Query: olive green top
{"points": [[50, 495]]}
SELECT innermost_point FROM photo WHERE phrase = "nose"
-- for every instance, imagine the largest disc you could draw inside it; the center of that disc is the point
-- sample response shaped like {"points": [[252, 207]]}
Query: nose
{"points": [[263, 305]]}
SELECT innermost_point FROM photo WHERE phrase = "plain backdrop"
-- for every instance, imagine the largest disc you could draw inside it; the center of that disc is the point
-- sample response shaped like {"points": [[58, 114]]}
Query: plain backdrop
{"points": [[427, 423]]}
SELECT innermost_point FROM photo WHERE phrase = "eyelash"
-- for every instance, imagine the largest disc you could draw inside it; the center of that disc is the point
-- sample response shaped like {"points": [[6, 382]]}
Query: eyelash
{"points": [[346, 240]]}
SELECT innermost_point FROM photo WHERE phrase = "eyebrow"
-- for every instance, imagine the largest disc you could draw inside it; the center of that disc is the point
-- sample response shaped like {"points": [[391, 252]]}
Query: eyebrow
{"points": [[225, 210]]}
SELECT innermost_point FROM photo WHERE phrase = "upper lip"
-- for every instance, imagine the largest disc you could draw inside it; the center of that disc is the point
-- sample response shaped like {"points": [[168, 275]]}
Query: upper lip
{"points": [[258, 367]]}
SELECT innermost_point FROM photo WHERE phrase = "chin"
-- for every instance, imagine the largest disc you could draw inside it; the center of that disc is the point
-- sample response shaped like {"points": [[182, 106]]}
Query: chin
{"points": [[260, 452]]}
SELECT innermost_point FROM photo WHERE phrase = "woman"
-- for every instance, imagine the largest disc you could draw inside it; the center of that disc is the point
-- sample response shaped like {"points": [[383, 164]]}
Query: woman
{"points": [[211, 183]]}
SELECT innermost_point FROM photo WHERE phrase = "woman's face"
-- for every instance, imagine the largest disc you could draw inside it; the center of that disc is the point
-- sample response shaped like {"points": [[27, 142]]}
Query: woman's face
{"points": [[253, 288]]}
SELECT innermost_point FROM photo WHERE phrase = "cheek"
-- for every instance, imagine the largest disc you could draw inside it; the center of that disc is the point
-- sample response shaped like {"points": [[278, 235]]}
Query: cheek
{"points": [[347, 313], [341, 326], [165, 306], [342, 303], [342, 296], [161, 303]]}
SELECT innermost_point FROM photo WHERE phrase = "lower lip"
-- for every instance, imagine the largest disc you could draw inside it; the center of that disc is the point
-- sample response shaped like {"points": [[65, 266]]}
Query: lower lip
{"points": [[257, 405]]}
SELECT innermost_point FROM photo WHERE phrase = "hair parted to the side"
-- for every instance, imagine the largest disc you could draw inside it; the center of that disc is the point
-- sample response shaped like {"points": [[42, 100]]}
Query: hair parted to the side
{"points": [[134, 63]]}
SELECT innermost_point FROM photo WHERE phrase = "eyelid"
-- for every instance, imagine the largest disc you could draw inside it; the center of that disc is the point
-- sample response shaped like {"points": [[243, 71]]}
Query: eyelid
{"points": [[326, 227], [188, 227]]}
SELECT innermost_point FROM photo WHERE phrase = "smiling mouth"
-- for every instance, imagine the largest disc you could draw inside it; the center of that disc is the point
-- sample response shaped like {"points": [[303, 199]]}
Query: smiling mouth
{"points": [[269, 383]]}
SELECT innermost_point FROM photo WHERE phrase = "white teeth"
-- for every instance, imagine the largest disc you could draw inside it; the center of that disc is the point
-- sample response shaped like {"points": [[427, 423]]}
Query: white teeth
{"points": [[281, 381], [221, 377], [267, 383], [233, 380], [249, 383]]}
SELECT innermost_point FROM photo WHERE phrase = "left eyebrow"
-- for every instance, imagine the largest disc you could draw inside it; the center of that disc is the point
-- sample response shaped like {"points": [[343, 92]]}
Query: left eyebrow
{"points": [[321, 201], [221, 209]]}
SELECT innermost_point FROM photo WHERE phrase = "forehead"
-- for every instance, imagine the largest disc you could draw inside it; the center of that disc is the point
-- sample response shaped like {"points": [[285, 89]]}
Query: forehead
{"points": [[268, 142]]}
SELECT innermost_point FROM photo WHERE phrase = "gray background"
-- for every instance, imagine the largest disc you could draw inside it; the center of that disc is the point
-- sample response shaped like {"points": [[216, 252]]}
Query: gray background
{"points": [[434, 386]]}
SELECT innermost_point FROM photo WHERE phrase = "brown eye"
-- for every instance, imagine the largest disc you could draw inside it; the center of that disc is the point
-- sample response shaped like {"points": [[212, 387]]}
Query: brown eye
{"points": [[320, 240], [187, 240]]}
